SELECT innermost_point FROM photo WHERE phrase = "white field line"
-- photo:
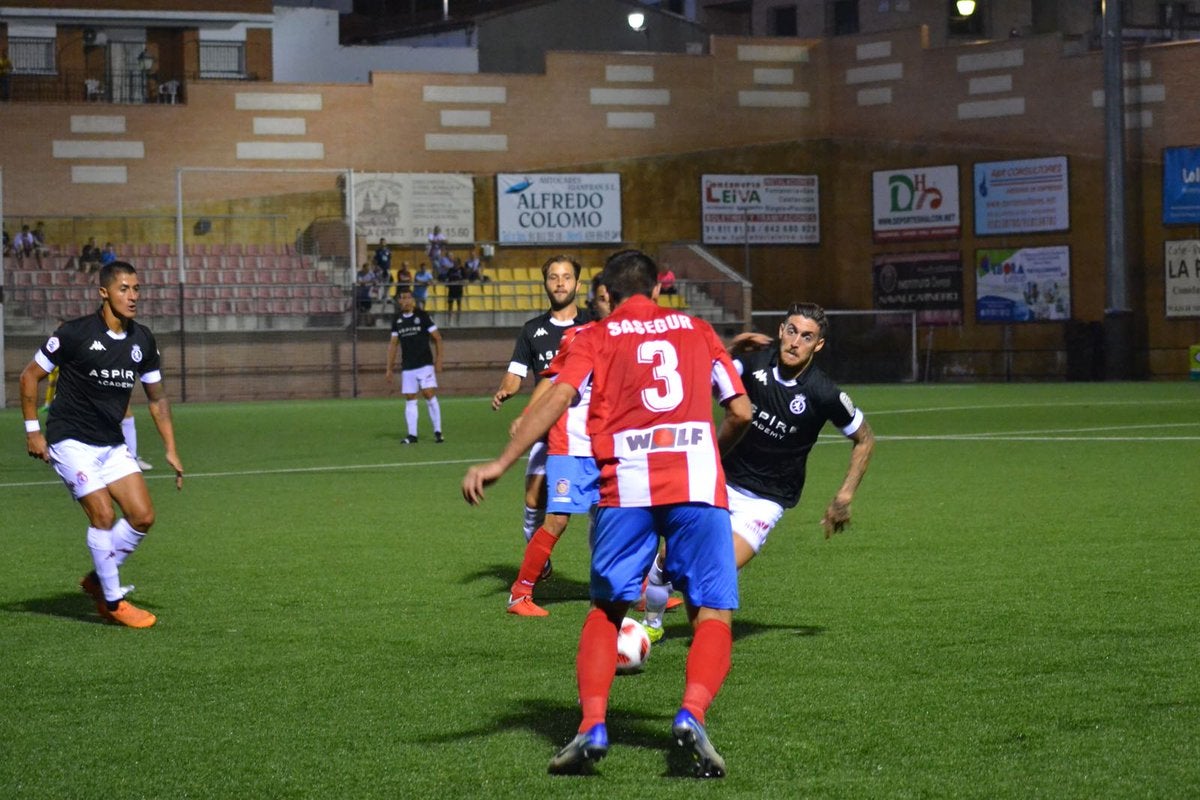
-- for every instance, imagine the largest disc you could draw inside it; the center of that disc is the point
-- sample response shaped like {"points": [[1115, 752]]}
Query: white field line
{"points": [[1063, 404]]}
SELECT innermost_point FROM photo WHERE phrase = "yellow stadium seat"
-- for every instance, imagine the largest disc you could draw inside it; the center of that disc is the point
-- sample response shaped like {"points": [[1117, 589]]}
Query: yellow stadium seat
{"points": [[476, 304]]}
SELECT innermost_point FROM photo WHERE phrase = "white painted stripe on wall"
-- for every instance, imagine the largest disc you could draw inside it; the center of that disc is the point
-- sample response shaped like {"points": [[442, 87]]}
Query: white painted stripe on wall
{"points": [[880, 72], [992, 84], [865, 52], [631, 97], [87, 149], [1139, 119], [276, 101], [774, 76], [881, 96], [1004, 59], [280, 126], [763, 99], [643, 120], [628, 73], [95, 123], [475, 142], [280, 151], [983, 109], [1136, 69], [466, 119], [464, 94], [99, 175], [772, 52], [1134, 95]]}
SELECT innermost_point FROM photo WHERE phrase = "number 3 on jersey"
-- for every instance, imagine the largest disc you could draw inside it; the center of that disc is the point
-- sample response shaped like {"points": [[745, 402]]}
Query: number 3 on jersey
{"points": [[666, 362]]}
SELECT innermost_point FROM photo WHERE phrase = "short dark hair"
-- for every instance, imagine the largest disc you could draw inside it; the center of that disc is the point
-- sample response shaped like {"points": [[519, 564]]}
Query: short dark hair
{"points": [[810, 311], [629, 272], [560, 258], [110, 271]]}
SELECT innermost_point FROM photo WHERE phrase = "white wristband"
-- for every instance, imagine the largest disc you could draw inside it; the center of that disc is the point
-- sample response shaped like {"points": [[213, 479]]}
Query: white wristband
{"points": [[32, 426]]}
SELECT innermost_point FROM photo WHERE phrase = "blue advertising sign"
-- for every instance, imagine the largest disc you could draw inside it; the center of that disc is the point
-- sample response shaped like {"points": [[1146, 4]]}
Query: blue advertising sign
{"points": [[1181, 185]]}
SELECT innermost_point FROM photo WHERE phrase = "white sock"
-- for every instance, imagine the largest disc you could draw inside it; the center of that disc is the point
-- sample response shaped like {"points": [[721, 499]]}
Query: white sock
{"points": [[410, 416], [104, 560], [125, 540], [534, 517], [435, 413], [658, 591], [129, 431]]}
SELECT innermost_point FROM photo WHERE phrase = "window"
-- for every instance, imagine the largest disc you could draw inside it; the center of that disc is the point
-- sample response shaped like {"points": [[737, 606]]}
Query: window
{"points": [[222, 60], [783, 21], [32, 56], [844, 17]]}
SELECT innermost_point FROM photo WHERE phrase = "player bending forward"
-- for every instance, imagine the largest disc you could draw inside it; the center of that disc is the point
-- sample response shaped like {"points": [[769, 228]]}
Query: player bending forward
{"points": [[100, 357], [792, 400], [652, 432]]}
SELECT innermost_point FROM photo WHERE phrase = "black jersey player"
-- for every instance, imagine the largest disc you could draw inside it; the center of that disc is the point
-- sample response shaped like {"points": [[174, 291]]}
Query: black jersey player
{"points": [[100, 358]]}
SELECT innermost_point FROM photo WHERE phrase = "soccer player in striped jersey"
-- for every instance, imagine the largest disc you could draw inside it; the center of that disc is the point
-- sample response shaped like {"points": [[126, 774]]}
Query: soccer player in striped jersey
{"points": [[651, 371]]}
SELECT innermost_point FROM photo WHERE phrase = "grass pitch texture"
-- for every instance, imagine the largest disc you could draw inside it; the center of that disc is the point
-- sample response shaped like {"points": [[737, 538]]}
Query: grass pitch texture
{"points": [[1012, 614]]}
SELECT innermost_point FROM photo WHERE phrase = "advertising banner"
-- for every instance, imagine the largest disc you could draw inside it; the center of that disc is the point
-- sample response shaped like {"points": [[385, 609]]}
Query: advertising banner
{"points": [[1021, 196], [929, 283], [559, 208], [760, 209], [403, 208], [1032, 284], [1181, 185], [919, 203], [1183, 278]]}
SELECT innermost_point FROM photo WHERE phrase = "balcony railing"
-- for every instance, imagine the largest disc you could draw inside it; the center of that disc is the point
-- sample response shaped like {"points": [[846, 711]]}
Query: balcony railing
{"points": [[128, 87]]}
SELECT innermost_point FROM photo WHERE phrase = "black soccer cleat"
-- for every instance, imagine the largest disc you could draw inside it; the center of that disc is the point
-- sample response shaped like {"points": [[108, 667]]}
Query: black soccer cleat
{"points": [[409, 440]]}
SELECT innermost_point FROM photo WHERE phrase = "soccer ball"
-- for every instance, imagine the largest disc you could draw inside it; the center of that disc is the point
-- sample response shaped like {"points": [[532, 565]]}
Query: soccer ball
{"points": [[633, 646]]}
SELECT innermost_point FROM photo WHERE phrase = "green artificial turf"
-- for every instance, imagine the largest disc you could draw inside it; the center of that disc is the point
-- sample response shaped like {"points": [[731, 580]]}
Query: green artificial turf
{"points": [[1013, 614]]}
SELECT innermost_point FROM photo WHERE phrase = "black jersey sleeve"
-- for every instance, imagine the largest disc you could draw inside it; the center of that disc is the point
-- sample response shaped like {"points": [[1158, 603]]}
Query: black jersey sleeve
{"points": [[835, 404], [523, 352], [151, 358], [59, 345]]}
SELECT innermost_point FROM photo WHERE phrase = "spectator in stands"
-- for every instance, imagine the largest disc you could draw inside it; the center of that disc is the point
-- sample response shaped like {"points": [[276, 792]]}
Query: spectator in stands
{"points": [[421, 283], [363, 284], [437, 244], [383, 259], [89, 256], [666, 281], [25, 245], [109, 255], [473, 266], [39, 236], [456, 280], [7, 243], [404, 277], [6, 68]]}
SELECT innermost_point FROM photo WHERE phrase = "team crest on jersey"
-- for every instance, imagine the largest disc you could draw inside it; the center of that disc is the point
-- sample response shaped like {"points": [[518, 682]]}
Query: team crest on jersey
{"points": [[562, 487], [847, 403], [52, 344], [136, 354], [798, 404]]}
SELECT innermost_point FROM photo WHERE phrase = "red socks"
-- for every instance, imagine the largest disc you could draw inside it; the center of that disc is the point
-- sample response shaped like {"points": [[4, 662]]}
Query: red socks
{"points": [[595, 666], [708, 663], [536, 553]]}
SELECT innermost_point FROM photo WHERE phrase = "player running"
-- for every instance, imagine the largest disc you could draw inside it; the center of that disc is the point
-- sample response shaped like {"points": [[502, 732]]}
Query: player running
{"points": [[100, 357], [651, 370], [536, 346], [792, 399]]}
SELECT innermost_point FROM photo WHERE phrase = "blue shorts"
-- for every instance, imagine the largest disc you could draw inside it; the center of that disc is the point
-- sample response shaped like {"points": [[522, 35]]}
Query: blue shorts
{"points": [[699, 560], [572, 484]]}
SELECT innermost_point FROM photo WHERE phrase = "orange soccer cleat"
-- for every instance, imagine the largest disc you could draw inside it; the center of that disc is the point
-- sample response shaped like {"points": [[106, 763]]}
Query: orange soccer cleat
{"points": [[524, 606], [129, 615]]}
